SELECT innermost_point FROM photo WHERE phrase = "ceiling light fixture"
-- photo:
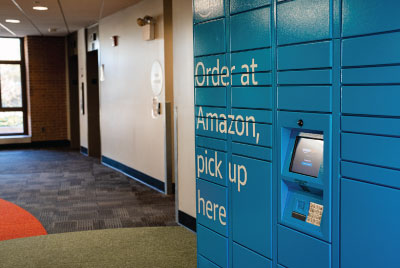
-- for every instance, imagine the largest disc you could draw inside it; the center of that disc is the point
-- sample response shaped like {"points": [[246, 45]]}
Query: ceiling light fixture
{"points": [[40, 8], [12, 21]]}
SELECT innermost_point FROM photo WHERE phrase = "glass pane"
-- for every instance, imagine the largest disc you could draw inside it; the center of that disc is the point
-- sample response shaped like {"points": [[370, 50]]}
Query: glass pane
{"points": [[11, 122], [10, 49], [11, 89]]}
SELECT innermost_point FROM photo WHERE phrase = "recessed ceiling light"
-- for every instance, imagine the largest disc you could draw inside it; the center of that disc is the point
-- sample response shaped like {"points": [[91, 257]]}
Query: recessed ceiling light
{"points": [[12, 21], [40, 8]]}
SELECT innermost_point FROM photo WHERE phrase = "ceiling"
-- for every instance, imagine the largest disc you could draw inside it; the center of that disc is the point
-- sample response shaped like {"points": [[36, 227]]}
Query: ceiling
{"points": [[66, 16]]}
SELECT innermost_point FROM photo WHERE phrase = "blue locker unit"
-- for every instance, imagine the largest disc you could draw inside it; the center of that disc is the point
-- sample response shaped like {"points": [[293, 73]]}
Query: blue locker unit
{"points": [[370, 120], [297, 121]]}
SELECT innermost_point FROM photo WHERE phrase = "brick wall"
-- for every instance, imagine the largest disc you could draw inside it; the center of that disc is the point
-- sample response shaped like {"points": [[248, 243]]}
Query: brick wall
{"points": [[46, 87]]}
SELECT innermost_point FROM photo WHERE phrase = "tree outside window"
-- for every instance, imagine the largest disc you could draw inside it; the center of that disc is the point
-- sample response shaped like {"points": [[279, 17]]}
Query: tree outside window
{"points": [[12, 92]]}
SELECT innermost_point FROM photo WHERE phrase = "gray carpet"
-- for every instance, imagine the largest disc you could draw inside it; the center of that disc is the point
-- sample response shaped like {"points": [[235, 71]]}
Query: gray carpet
{"points": [[69, 192], [151, 247]]}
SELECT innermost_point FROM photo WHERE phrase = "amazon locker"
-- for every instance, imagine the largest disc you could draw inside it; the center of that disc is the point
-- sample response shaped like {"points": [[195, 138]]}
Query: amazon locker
{"points": [[297, 121]]}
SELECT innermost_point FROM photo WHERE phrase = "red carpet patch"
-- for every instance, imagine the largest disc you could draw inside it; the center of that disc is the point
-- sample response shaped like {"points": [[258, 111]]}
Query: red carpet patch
{"points": [[16, 222]]}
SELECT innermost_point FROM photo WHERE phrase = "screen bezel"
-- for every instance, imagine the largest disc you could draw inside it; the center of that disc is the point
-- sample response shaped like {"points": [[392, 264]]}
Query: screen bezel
{"points": [[294, 153]]}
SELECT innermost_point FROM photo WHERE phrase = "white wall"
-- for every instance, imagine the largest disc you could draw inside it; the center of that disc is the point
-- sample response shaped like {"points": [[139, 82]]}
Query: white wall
{"points": [[129, 134], [184, 101], [82, 79]]}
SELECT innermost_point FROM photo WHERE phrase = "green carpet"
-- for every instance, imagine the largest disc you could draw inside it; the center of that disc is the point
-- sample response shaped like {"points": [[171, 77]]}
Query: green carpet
{"points": [[157, 247]]}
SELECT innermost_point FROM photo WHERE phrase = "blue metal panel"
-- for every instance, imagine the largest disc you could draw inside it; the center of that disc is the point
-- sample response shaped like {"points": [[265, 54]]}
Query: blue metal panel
{"points": [[257, 152], [212, 64], [252, 202], [211, 80], [258, 79], [242, 258], [297, 250], [212, 206], [369, 225], [252, 97], [212, 166], [204, 263], [305, 56], [308, 77], [211, 122], [212, 128], [371, 125], [260, 116], [372, 75], [262, 57], [370, 16], [371, 100], [253, 133], [371, 50], [376, 175], [211, 71], [211, 96], [206, 10], [244, 5], [303, 20], [374, 150], [305, 98], [205, 111], [212, 245], [251, 30], [209, 38], [211, 143]]}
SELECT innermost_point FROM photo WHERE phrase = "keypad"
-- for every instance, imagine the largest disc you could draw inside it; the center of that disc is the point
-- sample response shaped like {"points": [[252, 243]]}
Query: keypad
{"points": [[315, 214]]}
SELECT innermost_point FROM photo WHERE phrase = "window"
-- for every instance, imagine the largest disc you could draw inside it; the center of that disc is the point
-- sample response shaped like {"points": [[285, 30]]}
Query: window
{"points": [[12, 88]]}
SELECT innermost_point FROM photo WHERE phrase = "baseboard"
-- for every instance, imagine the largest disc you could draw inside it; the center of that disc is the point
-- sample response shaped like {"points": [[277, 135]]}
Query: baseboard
{"points": [[84, 151], [37, 144], [134, 174], [187, 220]]}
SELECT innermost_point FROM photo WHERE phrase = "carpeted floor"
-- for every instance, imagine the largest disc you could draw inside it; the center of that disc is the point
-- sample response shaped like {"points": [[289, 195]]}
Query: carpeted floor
{"points": [[69, 192], [154, 247]]}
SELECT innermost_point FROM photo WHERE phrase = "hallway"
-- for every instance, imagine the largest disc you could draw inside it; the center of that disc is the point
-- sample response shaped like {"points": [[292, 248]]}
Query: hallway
{"points": [[69, 192]]}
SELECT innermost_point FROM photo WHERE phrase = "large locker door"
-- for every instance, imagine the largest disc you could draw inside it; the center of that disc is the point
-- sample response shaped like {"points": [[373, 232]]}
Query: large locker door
{"points": [[370, 232]]}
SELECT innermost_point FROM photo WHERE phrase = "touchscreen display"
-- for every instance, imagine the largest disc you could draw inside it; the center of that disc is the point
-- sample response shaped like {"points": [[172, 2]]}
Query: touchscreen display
{"points": [[307, 156]]}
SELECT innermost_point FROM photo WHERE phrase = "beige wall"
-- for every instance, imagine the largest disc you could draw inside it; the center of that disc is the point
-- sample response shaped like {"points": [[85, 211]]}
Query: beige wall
{"points": [[82, 79], [129, 134], [184, 101]]}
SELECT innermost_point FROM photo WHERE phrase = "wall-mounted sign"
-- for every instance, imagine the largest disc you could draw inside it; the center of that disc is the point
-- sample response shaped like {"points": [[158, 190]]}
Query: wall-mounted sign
{"points": [[156, 78]]}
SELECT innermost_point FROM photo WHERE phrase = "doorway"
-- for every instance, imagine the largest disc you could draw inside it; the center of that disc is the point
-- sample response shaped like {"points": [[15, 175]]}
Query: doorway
{"points": [[74, 102], [73, 76], [93, 104]]}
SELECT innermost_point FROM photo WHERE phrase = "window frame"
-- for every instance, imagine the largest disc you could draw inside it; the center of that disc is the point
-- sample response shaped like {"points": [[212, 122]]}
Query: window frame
{"points": [[24, 108]]}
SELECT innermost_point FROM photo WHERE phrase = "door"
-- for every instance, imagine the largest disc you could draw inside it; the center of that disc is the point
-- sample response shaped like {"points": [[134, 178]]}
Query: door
{"points": [[93, 104]]}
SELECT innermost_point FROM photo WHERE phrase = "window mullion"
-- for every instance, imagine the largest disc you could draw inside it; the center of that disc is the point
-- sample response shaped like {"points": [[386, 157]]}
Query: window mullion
{"points": [[10, 62]]}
